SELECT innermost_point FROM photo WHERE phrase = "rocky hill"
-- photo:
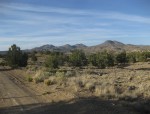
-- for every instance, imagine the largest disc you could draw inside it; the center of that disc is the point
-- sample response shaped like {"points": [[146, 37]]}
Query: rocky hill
{"points": [[64, 48], [108, 45]]}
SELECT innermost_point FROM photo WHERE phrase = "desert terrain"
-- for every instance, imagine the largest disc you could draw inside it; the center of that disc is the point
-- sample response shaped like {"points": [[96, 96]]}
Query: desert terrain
{"points": [[106, 91]]}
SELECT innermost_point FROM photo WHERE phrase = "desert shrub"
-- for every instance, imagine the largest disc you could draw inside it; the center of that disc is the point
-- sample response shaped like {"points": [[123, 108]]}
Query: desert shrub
{"points": [[3, 63], [29, 79], [142, 57], [55, 60], [52, 62], [109, 59], [48, 82], [131, 57], [38, 79], [60, 74], [105, 91], [33, 56], [92, 59], [61, 79], [78, 84], [78, 58], [121, 58], [40, 76], [90, 86], [70, 73], [101, 59]]}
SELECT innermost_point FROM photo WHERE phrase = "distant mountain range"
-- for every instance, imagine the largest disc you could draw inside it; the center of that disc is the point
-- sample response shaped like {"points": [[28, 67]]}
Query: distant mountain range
{"points": [[108, 45], [64, 48]]}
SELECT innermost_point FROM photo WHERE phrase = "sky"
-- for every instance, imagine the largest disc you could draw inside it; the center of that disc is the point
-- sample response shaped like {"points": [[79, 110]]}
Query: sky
{"points": [[33, 23]]}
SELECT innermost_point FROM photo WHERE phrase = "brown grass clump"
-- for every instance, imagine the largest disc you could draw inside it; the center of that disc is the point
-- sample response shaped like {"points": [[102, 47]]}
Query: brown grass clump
{"points": [[29, 79], [40, 76], [49, 82], [90, 86]]}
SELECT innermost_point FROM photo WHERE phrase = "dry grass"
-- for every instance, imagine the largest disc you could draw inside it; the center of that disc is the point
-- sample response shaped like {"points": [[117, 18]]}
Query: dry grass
{"points": [[40, 76], [132, 82]]}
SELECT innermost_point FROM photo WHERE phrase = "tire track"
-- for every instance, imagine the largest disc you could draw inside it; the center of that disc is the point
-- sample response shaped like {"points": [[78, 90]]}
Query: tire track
{"points": [[17, 81], [15, 93], [12, 101]]}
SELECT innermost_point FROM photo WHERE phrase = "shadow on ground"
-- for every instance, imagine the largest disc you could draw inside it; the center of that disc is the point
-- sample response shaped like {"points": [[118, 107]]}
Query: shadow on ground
{"points": [[82, 106], [3, 69], [146, 69]]}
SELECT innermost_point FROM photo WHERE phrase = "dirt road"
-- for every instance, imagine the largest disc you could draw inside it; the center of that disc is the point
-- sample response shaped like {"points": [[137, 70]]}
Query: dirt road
{"points": [[13, 92]]}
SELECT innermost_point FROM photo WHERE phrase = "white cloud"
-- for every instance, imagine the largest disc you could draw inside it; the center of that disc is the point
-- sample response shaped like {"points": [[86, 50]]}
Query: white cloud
{"points": [[27, 9]]}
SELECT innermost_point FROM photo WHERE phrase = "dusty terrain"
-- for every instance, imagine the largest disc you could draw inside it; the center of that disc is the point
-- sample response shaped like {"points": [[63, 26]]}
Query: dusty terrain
{"points": [[108, 91]]}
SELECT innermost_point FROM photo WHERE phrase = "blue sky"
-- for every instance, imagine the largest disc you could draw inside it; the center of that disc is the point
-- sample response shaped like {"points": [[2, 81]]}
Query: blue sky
{"points": [[32, 23]]}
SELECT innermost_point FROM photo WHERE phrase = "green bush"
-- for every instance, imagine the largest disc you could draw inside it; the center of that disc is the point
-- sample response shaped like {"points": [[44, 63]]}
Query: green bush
{"points": [[142, 57], [54, 60], [121, 58], [38, 79], [101, 59], [70, 73], [78, 58], [40, 76], [131, 57], [60, 74], [92, 59], [33, 56], [29, 79]]}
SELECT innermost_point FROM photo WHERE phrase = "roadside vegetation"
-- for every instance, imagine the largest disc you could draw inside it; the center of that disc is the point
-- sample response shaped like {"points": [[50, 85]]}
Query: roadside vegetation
{"points": [[15, 57], [104, 74], [100, 60]]}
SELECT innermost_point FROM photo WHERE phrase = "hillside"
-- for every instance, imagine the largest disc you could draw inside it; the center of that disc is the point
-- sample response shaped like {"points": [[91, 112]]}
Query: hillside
{"points": [[64, 48], [108, 45], [117, 46]]}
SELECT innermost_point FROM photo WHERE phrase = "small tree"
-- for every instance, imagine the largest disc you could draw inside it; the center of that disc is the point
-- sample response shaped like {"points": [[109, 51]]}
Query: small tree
{"points": [[131, 57], [33, 56], [143, 56], [121, 58], [23, 60], [52, 61], [109, 60], [92, 59], [78, 58], [100, 60], [15, 57]]}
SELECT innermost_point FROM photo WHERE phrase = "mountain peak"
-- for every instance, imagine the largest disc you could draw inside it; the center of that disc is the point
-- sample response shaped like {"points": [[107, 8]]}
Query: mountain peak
{"points": [[108, 42], [111, 42], [48, 45], [80, 45], [66, 45]]}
